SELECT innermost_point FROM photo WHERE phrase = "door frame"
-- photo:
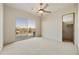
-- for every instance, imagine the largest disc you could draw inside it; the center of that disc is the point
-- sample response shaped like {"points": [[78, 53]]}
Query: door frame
{"points": [[73, 27]]}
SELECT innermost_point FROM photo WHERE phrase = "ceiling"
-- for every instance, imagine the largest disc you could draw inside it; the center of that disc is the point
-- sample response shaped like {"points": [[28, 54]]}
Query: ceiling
{"points": [[28, 6]]}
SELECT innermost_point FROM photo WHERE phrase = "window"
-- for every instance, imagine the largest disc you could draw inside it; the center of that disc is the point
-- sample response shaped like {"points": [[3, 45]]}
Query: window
{"points": [[25, 27]]}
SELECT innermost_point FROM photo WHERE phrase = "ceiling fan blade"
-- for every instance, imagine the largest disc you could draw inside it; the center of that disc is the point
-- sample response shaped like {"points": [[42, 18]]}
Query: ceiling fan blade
{"points": [[47, 11], [45, 6], [41, 4], [34, 9]]}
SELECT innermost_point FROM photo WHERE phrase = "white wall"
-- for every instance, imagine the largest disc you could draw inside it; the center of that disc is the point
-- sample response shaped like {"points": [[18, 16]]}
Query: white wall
{"points": [[1, 26], [52, 24], [10, 22], [78, 27]]}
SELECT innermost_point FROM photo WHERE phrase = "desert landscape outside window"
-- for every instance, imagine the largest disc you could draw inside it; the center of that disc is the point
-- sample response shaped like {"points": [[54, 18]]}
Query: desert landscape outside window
{"points": [[25, 28]]}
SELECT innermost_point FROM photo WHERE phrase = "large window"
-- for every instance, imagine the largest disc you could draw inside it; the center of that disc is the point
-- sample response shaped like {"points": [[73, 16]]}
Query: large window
{"points": [[25, 27]]}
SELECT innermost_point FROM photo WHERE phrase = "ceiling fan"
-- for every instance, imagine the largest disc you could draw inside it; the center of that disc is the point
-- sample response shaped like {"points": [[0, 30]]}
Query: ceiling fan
{"points": [[42, 8]]}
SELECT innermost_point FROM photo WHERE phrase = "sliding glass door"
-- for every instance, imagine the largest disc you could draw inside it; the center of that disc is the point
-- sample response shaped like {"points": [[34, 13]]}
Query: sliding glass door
{"points": [[25, 28]]}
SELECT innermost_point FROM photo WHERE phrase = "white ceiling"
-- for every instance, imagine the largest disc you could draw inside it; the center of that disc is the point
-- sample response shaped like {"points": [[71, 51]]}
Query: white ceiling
{"points": [[28, 6]]}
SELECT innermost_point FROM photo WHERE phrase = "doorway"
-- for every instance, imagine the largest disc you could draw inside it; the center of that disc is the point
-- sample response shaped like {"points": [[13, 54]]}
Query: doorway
{"points": [[68, 27]]}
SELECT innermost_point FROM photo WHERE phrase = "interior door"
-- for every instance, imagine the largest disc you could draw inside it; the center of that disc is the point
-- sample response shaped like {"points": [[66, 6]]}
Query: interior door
{"points": [[68, 32]]}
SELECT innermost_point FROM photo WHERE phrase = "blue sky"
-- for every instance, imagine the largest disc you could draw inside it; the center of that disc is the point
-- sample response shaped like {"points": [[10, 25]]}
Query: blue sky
{"points": [[21, 22]]}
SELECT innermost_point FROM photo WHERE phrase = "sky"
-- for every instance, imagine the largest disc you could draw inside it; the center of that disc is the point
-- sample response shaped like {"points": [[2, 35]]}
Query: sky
{"points": [[24, 23]]}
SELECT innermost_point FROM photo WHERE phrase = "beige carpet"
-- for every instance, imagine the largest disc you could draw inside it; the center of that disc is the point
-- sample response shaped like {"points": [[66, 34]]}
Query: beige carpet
{"points": [[39, 46]]}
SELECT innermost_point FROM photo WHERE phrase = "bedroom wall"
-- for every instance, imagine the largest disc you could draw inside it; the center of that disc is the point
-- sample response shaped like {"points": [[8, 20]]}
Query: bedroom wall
{"points": [[1, 26], [78, 28], [10, 22], [52, 24]]}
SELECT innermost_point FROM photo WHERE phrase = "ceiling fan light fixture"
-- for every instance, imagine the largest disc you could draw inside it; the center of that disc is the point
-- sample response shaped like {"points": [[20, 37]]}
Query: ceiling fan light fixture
{"points": [[41, 11]]}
